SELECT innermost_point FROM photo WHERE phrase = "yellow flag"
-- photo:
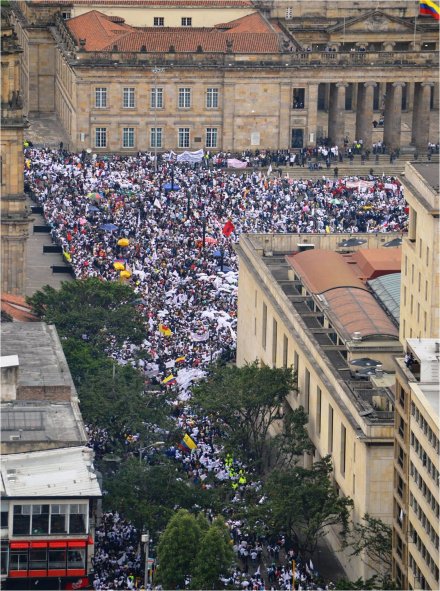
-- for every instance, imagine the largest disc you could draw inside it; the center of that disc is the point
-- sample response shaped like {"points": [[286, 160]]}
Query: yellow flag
{"points": [[167, 332], [189, 442]]}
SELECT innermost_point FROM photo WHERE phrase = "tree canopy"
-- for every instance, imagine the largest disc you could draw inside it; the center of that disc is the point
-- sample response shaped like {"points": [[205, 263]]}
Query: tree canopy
{"points": [[215, 557], [371, 539], [249, 405]]}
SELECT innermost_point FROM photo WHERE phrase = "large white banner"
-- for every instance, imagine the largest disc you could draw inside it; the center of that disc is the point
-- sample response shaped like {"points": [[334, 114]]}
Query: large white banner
{"points": [[190, 156], [234, 163]]}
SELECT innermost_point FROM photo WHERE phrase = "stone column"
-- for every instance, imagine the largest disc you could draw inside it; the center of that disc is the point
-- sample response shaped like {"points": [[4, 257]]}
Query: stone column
{"points": [[5, 82], [228, 123], [312, 114], [364, 113], [336, 113], [284, 115], [421, 113], [393, 115]]}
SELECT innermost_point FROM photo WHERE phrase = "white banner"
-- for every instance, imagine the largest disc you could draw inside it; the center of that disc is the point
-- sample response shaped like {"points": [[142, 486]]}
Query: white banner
{"points": [[359, 184], [234, 163], [190, 156]]}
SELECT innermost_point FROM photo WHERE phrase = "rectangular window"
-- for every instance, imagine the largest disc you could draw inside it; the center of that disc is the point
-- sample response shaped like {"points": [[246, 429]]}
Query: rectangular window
{"points": [[100, 98], [156, 98], [306, 390], [285, 350], [128, 137], [156, 137], [22, 520], [101, 137], [76, 558], [296, 363], [297, 138], [158, 21], [18, 560], [318, 409], [212, 98], [354, 485], [184, 98], [183, 137], [298, 99], [58, 519], [343, 448], [186, 21], [40, 519], [211, 137], [38, 559], [57, 559], [427, 256], [330, 429], [128, 98], [78, 519], [274, 341], [264, 327]]}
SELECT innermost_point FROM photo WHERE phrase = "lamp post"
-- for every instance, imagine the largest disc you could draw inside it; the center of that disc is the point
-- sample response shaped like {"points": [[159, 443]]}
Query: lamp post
{"points": [[155, 71], [155, 444], [145, 538]]}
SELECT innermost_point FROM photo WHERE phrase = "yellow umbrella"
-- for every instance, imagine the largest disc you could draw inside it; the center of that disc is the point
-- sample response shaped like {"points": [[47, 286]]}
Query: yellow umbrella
{"points": [[119, 266], [123, 242], [125, 274]]}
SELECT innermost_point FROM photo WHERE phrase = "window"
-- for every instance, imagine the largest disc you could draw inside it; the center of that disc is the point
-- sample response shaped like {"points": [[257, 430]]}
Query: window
{"points": [[128, 137], [101, 137], [128, 98], [297, 140], [264, 327], [66, 15], [298, 99], [38, 559], [427, 256], [40, 519], [184, 98], [22, 520], [158, 21], [76, 558], [58, 521], [330, 429], [57, 559], [156, 137], [183, 137], [186, 21], [4, 557], [306, 390], [274, 341], [212, 98], [78, 519], [289, 13], [156, 98], [100, 98], [318, 409], [211, 137], [296, 363], [18, 560], [285, 350], [354, 485], [4, 513], [343, 448]]}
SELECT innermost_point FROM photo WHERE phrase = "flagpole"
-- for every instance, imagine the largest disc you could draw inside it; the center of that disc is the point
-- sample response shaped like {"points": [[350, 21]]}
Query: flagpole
{"points": [[293, 574], [415, 28]]}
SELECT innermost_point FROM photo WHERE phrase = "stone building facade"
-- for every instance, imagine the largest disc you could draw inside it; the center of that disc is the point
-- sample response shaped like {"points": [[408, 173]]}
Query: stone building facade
{"points": [[272, 82], [14, 215]]}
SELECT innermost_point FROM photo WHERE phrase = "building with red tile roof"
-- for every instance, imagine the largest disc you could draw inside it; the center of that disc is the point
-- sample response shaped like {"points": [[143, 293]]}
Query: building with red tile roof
{"points": [[17, 308]]}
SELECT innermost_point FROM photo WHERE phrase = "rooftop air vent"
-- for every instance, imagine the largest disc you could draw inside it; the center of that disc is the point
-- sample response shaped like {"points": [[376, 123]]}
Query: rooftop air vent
{"points": [[356, 336]]}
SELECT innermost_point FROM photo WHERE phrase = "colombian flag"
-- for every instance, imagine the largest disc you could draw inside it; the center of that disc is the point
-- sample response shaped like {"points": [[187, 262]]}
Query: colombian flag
{"points": [[169, 380], [180, 359], [430, 8], [167, 332], [189, 442]]}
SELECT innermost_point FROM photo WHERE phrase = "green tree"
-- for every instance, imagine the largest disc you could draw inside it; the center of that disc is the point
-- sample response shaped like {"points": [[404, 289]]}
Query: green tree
{"points": [[214, 558], [177, 550], [100, 312], [304, 503], [249, 403], [371, 539]]}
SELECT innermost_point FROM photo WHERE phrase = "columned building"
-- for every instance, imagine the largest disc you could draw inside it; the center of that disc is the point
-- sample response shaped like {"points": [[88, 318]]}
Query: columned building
{"points": [[14, 215], [260, 80]]}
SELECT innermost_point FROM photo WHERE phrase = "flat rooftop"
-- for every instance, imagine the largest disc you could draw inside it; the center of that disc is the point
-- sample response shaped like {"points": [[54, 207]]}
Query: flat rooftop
{"points": [[41, 357], [430, 173], [50, 473]]}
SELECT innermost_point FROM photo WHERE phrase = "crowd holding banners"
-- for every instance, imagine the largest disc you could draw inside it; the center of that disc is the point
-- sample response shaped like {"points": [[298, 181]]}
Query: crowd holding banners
{"points": [[115, 219]]}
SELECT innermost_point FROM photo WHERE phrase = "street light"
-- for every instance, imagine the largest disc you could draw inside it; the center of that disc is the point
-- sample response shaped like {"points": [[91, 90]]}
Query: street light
{"points": [[142, 449], [145, 539], [155, 71]]}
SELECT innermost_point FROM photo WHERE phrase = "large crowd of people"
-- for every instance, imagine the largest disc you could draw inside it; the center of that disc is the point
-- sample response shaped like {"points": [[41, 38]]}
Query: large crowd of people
{"points": [[170, 234]]}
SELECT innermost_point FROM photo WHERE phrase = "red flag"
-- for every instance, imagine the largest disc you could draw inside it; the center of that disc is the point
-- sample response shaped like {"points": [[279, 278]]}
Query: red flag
{"points": [[228, 228]]}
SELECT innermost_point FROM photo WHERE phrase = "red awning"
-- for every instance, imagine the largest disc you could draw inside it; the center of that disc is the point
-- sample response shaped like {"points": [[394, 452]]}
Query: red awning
{"points": [[77, 543], [18, 545], [58, 544], [38, 544]]}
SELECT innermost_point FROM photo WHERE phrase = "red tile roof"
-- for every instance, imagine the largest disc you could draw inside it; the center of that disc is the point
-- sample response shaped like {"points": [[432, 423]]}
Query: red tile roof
{"points": [[17, 308], [249, 34], [374, 262]]}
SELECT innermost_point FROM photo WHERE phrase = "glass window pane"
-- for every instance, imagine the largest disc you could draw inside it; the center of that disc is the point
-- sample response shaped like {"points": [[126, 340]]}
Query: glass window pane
{"points": [[21, 525], [57, 558], [76, 558], [40, 519], [38, 558], [18, 560], [58, 522]]}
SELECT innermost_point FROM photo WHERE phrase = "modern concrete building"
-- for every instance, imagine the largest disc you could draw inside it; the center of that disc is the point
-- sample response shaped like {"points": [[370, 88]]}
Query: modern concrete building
{"points": [[48, 484], [246, 77], [420, 289], [303, 301], [416, 517], [13, 211]]}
